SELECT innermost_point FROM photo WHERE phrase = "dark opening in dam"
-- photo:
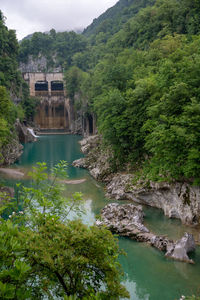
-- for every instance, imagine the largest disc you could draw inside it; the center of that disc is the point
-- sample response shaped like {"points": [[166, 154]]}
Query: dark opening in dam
{"points": [[41, 86], [57, 85]]}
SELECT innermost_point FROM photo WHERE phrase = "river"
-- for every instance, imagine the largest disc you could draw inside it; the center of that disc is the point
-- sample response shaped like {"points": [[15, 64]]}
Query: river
{"points": [[148, 274]]}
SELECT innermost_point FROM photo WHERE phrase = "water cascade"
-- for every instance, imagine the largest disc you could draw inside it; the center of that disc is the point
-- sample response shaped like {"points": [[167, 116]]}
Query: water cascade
{"points": [[32, 132]]}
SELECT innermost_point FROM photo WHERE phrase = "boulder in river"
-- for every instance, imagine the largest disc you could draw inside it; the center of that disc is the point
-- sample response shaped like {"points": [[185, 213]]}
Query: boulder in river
{"points": [[180, 249]]}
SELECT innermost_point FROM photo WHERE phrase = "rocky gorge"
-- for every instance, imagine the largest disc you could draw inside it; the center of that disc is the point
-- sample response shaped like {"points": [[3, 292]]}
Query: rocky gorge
{"points": [[177, 200]]}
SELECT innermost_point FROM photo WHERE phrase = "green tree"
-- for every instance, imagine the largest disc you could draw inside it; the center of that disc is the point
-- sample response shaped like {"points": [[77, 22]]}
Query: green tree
{"points": [[43, 253]]}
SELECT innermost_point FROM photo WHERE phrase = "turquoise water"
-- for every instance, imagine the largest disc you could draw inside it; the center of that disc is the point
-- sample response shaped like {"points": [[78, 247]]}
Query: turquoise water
{"points": [[148, 274]]}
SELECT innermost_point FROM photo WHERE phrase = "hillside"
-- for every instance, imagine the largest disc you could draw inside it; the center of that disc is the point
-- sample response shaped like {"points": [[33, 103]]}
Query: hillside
{"points": [[143, 86], [113, 19], [136, 68]]}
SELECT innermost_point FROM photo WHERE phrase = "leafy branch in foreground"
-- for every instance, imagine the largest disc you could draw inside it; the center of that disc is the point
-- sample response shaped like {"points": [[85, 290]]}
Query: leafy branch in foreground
{"points": [[43, 254]]}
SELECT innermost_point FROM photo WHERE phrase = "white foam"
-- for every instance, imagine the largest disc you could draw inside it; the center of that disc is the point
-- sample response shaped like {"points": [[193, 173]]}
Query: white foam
{"points": [[32, 132]]}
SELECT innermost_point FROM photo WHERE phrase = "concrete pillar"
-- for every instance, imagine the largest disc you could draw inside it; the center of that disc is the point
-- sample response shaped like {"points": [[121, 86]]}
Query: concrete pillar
{"points": [[49, 87]]}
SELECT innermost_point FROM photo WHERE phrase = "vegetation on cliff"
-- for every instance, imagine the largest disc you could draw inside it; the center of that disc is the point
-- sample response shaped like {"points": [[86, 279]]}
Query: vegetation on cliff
{"points": [[57, 47], [143, 85], [136, 68]]}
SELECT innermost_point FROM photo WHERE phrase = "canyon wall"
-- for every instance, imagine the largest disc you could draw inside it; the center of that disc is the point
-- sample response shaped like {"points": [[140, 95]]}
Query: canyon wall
{"points": [[177, 200]]}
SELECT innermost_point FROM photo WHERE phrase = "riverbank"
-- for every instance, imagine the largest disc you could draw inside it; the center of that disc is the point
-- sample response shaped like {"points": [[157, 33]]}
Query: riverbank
{"points": [[177, 200]]}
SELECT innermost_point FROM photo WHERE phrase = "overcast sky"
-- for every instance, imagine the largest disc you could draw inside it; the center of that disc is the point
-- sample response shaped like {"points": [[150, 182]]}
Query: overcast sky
{"points": [[28, 16]]}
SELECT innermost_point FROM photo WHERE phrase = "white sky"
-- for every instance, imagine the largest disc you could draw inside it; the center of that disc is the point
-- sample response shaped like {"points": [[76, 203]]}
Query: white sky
{"points": [[28, 16]]}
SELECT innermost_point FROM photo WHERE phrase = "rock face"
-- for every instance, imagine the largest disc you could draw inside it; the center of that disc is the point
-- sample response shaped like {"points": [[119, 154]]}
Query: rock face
{"points": [[117, 187], [80, 163], [177, 200], [127, 220], [11, 152], [38, 64], [96, 159]]}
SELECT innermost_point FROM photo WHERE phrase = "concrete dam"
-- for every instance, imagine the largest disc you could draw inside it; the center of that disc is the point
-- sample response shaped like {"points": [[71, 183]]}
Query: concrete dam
{"points": [[56, 109], [53, 111]]}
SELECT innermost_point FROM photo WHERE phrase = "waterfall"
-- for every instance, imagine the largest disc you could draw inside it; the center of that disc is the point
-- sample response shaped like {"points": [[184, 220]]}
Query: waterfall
{"points": [[32, 132]]}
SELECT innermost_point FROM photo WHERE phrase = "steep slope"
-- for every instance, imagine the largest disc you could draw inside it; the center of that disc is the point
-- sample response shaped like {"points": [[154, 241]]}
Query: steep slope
{"points": [[113, 19], [14, 98]]}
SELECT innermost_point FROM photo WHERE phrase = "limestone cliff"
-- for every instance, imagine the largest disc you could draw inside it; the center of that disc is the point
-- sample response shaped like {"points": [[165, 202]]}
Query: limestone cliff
{"points": [[40, 64], [11, 152], [177, 200]]}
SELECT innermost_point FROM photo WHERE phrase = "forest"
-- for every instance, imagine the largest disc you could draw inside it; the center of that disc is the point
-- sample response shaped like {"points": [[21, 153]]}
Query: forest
{"points": [[141, 79], [136, 68]]}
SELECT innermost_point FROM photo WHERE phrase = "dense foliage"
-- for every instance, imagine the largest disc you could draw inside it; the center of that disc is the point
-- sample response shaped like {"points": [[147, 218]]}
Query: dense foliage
{"points": [[137, 68], [44, 254], [9, 74], [14, 93], [113, 19], [144, 89]]}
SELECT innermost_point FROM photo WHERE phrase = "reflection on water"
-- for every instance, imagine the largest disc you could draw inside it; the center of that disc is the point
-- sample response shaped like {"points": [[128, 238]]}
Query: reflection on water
{"points": [[148, 274], [155, 276]]}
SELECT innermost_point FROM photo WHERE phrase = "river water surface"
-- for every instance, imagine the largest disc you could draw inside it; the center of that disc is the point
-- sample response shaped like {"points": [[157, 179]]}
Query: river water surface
{"points": [[148, 274]]}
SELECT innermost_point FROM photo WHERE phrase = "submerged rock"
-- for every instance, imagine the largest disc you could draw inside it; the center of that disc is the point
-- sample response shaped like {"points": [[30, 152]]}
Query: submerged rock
{"points": [[76, 181], [127, 220]]}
